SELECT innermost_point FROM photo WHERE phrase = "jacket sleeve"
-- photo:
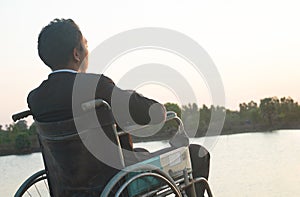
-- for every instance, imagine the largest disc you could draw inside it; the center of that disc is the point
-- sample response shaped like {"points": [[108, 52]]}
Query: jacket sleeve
{"points": [[130, 107]]}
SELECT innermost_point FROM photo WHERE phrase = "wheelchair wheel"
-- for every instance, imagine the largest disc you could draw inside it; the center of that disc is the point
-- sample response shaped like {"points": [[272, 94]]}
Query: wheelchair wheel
{"points": [[36, 185], [120, 182]]}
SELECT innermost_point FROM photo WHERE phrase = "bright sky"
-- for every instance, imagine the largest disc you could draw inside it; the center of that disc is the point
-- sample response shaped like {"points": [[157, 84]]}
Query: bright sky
{"points": [[254, 44]]}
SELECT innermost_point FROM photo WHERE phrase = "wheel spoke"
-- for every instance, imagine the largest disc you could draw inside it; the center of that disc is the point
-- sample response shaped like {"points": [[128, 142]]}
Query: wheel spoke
{"points": [[33, 186], [28, 193], [46, 185], [37, 190]]}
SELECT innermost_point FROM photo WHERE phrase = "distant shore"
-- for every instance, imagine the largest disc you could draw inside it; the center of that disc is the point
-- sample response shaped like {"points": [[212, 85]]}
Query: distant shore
{"points": [[270, 114], [11, 150]]}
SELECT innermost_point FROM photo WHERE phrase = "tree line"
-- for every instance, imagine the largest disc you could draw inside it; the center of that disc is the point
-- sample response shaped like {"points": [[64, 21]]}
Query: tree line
{"points": [[270, 114], [18, 138]]}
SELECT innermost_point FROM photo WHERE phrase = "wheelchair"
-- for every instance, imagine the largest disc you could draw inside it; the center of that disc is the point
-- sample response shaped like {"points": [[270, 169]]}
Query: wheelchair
{"points": [[72, 170]]}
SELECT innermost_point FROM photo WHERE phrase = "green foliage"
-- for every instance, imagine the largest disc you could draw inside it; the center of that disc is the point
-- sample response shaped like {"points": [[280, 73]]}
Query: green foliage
{"points": [[171, 126], [22, 141], [190, 117], [268, 109], [270, 113], [18, 137], [32, 129], [21, 125], [5, 137], [173, 107]]}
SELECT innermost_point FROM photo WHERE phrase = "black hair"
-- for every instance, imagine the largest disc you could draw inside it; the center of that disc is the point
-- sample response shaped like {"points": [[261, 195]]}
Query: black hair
{"points": [[56, 42]]}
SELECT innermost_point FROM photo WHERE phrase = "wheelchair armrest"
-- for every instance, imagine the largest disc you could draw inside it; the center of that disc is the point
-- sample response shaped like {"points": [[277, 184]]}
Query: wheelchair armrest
{"points": [[178, 140], [170, 115]]}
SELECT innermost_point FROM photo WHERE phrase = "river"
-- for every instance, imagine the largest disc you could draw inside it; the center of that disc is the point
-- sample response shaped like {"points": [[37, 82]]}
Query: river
{"points": [[252, 164]]}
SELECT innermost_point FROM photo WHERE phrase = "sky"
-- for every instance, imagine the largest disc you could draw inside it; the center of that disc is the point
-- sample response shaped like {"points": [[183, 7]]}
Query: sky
{"points": [[254, 44]]}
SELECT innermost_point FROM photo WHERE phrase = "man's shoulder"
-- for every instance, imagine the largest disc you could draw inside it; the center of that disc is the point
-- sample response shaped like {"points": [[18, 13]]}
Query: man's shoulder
{"points": [[35, 94], [36, 90], [92, 76]]}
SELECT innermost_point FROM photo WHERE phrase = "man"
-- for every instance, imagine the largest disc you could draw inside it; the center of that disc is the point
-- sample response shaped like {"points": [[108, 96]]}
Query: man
{"points": [[63, 48]]}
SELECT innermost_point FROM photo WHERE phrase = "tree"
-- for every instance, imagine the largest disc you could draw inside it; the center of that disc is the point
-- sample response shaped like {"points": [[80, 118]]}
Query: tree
{"points": [[171, 126], [21, 125], [22, 141], [190, 118], [9, 127], [254, 116], [243, 107], [268, 109], [205, 115], [290, 110], [173, 107], [32, 129]]}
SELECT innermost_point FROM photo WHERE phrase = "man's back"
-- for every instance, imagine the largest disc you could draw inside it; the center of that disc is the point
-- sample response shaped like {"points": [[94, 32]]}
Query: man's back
{"points": [[53, 99]]}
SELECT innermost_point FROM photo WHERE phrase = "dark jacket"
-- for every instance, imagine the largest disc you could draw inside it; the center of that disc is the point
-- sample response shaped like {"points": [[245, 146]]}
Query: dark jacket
{"points": [[53, 99]]}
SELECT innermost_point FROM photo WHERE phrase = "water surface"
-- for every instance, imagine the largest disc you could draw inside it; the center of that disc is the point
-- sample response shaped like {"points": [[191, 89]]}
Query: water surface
{"points": [[253, 164]]}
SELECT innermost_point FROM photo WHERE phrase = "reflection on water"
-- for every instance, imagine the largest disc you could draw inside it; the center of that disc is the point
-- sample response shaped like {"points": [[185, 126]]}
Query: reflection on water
{"points": [[255, 164]]}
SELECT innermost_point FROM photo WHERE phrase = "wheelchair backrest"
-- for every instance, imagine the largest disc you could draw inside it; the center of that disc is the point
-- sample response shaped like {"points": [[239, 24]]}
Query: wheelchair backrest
{"points": [[71, 167]]}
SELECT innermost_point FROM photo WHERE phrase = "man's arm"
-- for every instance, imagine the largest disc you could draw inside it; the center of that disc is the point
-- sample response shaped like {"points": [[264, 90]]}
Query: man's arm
{"points": [[129, 107], [146, 111]]}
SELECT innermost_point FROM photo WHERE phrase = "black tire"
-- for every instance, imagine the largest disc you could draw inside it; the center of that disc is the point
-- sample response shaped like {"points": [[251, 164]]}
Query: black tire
{"points": [[36, 185]]}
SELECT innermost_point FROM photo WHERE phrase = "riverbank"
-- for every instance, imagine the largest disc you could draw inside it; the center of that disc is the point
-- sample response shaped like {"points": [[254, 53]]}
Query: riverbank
{"points": [[271, 114], [11, 147]]}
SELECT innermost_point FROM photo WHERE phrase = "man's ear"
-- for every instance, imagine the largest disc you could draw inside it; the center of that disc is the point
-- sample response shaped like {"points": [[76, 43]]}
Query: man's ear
{"points": [[76, 55]]}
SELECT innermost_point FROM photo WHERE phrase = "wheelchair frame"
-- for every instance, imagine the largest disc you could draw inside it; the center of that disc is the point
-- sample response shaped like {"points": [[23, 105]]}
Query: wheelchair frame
{"points": [[170, 184]]}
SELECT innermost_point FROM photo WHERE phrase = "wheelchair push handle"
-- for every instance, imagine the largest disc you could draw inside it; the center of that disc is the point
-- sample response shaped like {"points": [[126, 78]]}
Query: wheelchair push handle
{"points": [[93, 104], [21, 115], [85, 107]]}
